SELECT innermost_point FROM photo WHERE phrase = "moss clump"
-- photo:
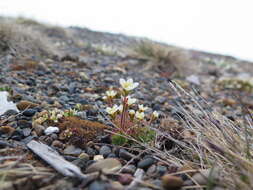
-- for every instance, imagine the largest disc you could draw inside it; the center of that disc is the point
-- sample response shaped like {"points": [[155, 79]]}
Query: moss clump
{"points": [[144, 135], [119, 140], [76, 129]]}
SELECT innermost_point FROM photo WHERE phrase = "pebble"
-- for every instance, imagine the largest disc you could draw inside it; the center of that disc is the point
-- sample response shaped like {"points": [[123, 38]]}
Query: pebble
{"points": [[170, 182], [26, 131], [24, 124], [145, 163], [151, 170], [39, 129], [9, 113], [161, 170], [17, 134], [105, 139], [91, 151], [83, 155], [125, 179], [29, 112], [57, 144], [106, 165], [129, 169], [203, 175], [105, 151], [72, 150], [112, 155], [98, 157], [125, 154], [81, 162], [160, 99]]}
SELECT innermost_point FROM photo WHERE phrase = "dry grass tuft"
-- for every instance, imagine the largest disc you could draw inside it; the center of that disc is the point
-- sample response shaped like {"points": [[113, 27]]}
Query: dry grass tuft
{"points": [[22, 39], [165, 58], [212, 140]]}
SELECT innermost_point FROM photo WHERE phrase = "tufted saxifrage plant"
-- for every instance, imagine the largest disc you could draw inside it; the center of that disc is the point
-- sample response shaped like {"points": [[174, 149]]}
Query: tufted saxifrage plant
{"points": [[128, 117]]}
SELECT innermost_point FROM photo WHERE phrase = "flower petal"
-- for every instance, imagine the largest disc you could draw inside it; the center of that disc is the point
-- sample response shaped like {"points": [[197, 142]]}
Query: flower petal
{"points": [[130, 80], [122, 81]]}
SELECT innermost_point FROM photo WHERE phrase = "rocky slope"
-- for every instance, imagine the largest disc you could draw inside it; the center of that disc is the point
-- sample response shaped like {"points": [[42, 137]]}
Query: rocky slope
{"points": [[46, 67]]}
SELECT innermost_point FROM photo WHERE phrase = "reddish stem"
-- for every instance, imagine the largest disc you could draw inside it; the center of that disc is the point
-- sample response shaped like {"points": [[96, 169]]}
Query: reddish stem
{"points": [[123, 114]]}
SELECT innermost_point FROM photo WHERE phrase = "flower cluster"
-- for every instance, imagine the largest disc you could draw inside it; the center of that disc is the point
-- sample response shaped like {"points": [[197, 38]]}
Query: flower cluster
{"points": [[128, 114], [54, 115]]}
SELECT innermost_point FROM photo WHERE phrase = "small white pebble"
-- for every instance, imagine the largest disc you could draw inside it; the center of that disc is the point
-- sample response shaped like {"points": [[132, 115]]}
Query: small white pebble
{"points": [[98, 157], [51, 130]]}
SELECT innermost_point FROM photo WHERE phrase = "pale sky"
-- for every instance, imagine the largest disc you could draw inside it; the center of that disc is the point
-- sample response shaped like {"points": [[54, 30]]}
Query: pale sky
{"points": [[222, 26]]}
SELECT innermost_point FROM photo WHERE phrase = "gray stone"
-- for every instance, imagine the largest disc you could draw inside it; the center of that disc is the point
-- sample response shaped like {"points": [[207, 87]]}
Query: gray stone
{"points": [[72, 150], [129, 169], [39, 129], [105, 151], [106, 165], [145, 163]]}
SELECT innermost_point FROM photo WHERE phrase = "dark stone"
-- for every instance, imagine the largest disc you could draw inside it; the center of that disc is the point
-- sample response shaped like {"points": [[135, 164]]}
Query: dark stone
{"points": [[92, 113], [161, 170], [17, 135], [125, 154], [22, 117], [63, 98], [81, 162], [27, 139], [29, 112], [91, 151], [89, 162], [83, 101], [72, 87], [4, 144], [10, 113], [24, 124], [105, 151], [105, 139], [145, 163], [129, 169], [112, 155]]}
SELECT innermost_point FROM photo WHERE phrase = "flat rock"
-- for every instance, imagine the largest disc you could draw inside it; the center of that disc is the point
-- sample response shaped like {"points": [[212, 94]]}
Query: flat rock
{"points": [[106, 165], [72, 150]]}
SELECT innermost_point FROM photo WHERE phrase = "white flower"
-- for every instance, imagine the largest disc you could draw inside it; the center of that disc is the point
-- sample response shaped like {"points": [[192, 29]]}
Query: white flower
{"points": [[111, 93], [142, 108], [155, 114], [120, 108], [128, 85], [131, 112], [104, 97], [112, 110], [139, 115], [130, 101]]}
